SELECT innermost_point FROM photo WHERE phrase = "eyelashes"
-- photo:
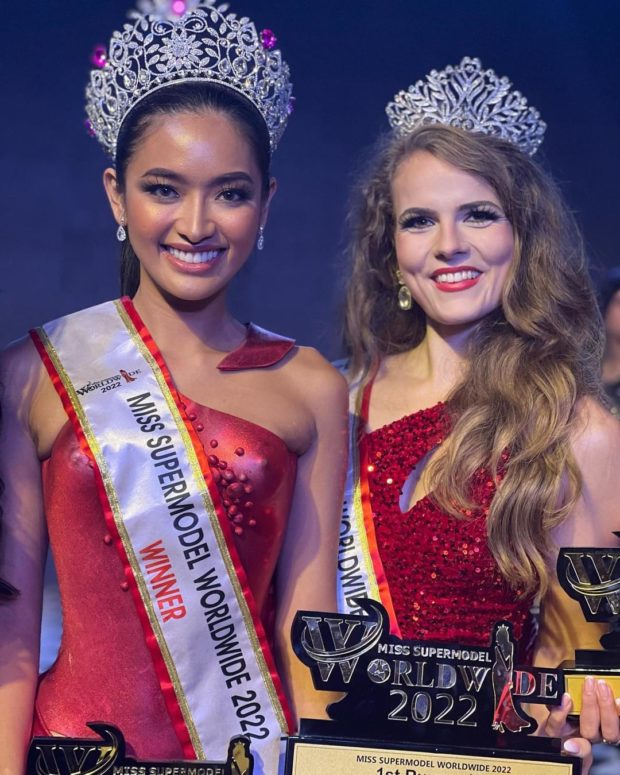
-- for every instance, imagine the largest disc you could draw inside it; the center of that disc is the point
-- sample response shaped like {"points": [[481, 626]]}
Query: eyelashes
{"points": [[235, 194], [160, 190], [414, 222], [475, 216], [483, 214], [230, 194]]}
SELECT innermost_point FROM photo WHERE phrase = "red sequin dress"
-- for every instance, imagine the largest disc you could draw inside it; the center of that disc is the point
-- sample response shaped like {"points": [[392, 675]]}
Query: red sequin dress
{"points": [[443, 579], [104, 670]]}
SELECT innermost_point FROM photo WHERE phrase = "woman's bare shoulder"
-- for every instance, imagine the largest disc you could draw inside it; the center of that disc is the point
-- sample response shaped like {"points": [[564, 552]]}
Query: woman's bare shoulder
{"points": [[314, 373], [30, 404], [597, 434], [596, 448], [21, 373]]}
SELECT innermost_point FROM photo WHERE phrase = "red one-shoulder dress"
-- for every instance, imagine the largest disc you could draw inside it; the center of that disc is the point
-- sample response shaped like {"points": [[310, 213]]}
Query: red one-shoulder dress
{"points": [[104, 670]]}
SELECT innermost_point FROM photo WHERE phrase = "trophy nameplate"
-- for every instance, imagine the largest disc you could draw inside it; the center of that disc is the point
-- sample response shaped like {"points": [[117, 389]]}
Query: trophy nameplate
{"points": [[106, 756], [420, 707], [592, 577]]}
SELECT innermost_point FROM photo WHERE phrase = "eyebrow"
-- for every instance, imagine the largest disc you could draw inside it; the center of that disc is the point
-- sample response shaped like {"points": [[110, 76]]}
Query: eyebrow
{"points": [[227, 177], [425, 211]]}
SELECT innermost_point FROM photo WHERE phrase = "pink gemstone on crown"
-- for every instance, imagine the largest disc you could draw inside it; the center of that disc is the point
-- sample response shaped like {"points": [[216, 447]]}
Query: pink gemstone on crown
{"points": [[99, 56], [268, 39], [179, 7], [89, 128]]}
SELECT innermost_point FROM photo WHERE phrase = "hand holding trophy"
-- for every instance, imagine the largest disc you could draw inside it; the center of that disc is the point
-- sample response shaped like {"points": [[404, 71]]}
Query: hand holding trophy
{"points": [[591, 576]]}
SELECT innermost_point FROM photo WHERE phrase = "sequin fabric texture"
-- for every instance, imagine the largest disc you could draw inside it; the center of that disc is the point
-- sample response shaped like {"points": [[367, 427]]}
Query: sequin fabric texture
{"points": [[444, 582]]}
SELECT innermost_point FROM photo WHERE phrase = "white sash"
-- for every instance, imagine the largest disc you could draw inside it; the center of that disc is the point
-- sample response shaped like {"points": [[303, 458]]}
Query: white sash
{"points": [[360, 571], [163, 510]]}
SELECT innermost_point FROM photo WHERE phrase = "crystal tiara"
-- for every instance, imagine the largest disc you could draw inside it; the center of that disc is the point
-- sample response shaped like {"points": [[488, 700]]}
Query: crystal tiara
{"points": [[175, 41], [471, 98]]}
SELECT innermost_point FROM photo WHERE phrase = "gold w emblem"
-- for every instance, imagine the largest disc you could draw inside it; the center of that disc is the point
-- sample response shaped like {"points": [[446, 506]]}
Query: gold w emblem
{"points": [[591, 578], [76, 757]]}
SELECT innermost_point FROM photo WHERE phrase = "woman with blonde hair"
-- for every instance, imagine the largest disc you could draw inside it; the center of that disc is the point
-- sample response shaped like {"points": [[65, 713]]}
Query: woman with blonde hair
{"points": [[479, 444]]}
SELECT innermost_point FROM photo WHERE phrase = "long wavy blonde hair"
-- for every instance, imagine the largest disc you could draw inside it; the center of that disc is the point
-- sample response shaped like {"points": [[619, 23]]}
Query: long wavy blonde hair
{"points": [[530, 361]]}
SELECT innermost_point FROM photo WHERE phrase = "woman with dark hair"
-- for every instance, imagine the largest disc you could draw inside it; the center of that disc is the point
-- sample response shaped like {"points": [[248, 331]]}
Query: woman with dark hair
{"points": [[191, 465], [610, 305], [479, 442]]}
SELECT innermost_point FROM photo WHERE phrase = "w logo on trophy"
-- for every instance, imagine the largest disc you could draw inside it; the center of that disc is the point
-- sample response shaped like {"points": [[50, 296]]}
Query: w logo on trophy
{"points": [[56, 756], [349, 638], [592, 577]]}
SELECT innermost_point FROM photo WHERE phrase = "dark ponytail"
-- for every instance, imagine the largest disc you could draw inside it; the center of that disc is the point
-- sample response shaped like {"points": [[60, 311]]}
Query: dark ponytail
{"points": [[130, 270]]}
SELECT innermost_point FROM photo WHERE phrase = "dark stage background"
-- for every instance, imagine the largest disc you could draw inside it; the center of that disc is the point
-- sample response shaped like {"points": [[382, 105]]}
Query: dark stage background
{"points": [[347, 59]]}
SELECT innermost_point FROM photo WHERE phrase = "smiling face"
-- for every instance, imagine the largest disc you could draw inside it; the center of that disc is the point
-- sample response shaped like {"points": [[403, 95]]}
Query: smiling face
{"points": [[454, 244], [193, 203]]}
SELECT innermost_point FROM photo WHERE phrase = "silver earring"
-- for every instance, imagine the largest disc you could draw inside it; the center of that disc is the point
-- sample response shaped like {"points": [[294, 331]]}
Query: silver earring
{"points": [[121, 232], [404, 294], [260, 242]]}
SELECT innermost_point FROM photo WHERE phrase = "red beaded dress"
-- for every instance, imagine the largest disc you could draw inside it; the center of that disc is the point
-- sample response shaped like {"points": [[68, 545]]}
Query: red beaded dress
{"points": [[104, 670], [443, 579]]}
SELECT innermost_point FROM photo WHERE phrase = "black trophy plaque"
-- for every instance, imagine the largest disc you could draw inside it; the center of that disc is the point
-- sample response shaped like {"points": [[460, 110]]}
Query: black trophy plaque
{"points": [[106, 756], [592, 577], [420, 707]]}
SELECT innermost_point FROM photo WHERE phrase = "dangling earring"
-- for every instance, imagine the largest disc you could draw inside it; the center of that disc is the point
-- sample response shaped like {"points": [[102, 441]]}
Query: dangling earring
{"points": [[404, 294], [121, 232], [260, 242]]}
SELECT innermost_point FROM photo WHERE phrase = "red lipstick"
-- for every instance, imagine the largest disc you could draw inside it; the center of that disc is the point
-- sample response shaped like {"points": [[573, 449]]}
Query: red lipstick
{"points": [[470, 276]]}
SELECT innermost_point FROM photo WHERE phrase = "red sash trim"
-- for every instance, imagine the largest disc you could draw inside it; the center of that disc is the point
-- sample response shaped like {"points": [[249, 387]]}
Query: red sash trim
{"points": [[369, 524], [161, 670], [219, 509]]}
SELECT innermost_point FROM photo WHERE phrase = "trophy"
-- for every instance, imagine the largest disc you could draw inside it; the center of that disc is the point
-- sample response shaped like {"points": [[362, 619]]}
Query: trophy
{"points": [[420, 707], [592, 577], [106, 756]]}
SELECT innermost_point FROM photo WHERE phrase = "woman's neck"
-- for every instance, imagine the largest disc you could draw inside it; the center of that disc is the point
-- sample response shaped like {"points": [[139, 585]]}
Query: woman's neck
{"points": [[416, 379], [188, 328], [437, 363]]}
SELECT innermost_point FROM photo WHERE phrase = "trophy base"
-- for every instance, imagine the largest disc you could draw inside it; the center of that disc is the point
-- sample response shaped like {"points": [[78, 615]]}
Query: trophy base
{"points": [[600, 665], [313, 752]]}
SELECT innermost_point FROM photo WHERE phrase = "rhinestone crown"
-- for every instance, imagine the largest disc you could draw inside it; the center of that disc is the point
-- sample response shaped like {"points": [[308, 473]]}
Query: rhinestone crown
{"points": [[471, 98], [160, 47]]}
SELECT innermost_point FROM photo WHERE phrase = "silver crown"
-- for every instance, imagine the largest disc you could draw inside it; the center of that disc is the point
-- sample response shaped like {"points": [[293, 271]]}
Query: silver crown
{"points": [[201, 43], [471, 98]]}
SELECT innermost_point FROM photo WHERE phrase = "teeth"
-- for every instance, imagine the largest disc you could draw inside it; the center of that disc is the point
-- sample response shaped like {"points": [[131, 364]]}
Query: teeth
{"points": [[457, 277], [193, 258]]}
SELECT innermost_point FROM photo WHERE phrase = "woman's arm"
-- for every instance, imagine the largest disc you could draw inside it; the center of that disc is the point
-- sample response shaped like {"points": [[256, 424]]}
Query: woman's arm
{"points": [[592, 522], [23, 545], [307, 565]]}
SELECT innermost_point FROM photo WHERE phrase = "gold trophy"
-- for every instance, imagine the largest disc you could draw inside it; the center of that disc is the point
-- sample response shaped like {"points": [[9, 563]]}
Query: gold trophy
{"points": [[592, 577]]}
